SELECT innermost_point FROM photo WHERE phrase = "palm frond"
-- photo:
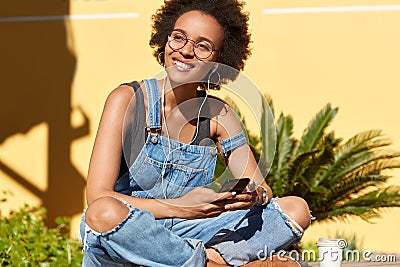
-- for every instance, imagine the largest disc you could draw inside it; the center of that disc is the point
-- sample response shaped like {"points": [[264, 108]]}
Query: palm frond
{"points": [[268, 133], [368, 163], [315, 130], [347, 188], [270, 103], [299, 165], [323, 159], [364, 212], [284, 148], [363, 142], [369, 204], [386, 197], [366, 206]]}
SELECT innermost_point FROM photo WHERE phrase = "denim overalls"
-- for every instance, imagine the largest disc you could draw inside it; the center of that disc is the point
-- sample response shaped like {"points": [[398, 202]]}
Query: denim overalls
{"points": [[166, 168]]}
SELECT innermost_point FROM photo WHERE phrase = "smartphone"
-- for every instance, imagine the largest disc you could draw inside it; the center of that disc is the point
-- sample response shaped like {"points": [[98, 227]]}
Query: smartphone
{"points": [[235, 185]]}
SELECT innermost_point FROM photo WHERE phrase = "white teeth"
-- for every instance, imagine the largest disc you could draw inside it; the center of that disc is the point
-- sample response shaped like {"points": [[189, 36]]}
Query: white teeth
{"points": [[182, 65]]}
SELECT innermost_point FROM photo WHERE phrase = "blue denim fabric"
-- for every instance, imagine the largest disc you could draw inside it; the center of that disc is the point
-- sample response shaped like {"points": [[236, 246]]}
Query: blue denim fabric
{"points": [[154, 105], [168, 169], [185, 167], [244, 235], [140, 239], [233, 142]]}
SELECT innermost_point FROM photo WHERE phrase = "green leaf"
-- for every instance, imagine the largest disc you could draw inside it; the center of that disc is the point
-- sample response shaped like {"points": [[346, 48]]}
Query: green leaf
{"points": [[315, 130], [268, 134], [318, 189], [359, 147], [284, 149], [26, 241]]}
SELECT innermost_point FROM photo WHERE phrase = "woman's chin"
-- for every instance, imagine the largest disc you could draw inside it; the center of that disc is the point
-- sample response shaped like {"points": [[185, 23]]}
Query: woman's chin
{"points": [[180, 76]]}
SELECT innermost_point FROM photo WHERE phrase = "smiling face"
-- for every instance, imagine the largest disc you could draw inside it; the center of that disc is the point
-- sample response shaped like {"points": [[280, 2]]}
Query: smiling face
{"points": [[182, 64]]}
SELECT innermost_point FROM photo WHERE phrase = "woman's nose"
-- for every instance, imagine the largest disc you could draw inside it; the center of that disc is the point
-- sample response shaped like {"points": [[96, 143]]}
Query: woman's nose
{"points": [[188, 49]]}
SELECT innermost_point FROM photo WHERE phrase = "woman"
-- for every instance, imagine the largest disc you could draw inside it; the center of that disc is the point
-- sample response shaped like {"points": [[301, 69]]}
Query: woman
{"points": [[158, 210]]}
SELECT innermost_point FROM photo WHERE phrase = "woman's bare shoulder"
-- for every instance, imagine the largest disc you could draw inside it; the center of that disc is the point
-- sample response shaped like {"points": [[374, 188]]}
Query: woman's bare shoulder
{"points": [[224, 121], [219, 107], [122, 93], [121, 96]]}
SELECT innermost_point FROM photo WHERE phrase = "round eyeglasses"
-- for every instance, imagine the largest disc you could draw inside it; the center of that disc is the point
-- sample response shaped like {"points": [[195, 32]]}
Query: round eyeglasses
{"points": [[202, 49]]}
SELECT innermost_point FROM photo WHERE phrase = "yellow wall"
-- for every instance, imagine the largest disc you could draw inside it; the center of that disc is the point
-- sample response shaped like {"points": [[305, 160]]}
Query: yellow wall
{"points": [[57, 73]]}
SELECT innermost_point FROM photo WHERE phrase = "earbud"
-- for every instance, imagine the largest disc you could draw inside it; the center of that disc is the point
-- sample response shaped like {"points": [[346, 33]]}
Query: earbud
{"points": [[214, 70], [215, 67]]}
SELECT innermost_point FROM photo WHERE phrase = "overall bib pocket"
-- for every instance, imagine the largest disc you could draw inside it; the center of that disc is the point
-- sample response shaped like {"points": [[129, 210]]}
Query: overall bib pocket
{"points": [[150, 181]]}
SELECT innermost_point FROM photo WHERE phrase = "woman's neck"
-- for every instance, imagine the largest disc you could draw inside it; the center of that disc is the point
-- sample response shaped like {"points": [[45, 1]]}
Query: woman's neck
{"points": [[177, 94]]}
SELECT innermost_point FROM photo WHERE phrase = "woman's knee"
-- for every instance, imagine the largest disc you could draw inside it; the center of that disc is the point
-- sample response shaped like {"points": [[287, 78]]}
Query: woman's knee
{"points": [[105, 213], [297, 209]]}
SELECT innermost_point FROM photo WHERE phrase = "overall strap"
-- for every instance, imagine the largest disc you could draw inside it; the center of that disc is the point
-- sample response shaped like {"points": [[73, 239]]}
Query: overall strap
{"points": [[135, 85], [153, 96]]}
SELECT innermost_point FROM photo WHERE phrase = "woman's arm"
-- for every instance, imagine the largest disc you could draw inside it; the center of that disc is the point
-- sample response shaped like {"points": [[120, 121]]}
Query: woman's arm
{"points": [[240, 161], [235, 162], [105, 162], [106, 154]]}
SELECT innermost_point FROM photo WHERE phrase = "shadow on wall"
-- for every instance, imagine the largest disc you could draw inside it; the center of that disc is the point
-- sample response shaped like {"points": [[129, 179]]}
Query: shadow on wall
{"points": [[37, 69]]}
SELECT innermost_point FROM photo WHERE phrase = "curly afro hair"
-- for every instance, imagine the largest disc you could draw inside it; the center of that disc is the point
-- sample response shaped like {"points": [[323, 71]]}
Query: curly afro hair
{"points": [[229, 14]]}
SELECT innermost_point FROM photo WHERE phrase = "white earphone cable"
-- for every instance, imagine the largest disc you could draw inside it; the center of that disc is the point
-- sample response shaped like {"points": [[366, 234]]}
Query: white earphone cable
{"points": [[164, 165]]}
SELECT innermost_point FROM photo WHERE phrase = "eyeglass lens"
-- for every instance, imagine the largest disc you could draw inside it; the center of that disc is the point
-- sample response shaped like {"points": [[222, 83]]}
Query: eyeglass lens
{"points": [[202, 49]]}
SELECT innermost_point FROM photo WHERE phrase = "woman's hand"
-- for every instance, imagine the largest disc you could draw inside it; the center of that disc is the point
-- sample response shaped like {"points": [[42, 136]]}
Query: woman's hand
{"points": [[204, 203], [200, 203], [243, 201]]}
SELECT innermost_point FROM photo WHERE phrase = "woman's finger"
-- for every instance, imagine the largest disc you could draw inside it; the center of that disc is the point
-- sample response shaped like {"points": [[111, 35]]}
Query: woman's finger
{"points": [[224, 195], [243, 197]]}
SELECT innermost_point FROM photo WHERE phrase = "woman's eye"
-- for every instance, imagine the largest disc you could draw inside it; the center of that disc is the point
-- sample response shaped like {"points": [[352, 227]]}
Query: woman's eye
{"points": [[179, 38], [204, 46]]}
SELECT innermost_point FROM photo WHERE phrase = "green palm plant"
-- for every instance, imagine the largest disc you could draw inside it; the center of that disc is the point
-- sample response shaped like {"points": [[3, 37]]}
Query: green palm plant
{"points": [[336, 178]]}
